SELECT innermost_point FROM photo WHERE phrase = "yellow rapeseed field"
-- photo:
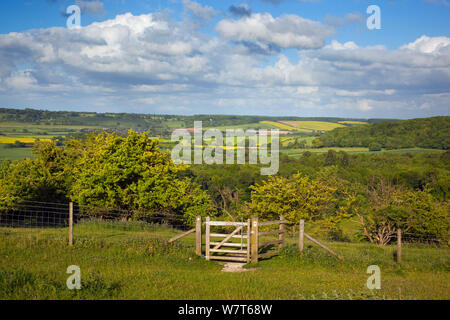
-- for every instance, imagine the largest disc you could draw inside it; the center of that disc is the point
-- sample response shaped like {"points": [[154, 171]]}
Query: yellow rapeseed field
{"points": [[278, 125], [24, 140], [316, 125]]}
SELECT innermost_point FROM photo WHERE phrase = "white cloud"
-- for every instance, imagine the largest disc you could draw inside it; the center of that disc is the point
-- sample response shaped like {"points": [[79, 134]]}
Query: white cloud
{"points": [[287, 31], [20, 80], [151, 63], [203, 12], [307, 90], [429, 45], [335, 45]]}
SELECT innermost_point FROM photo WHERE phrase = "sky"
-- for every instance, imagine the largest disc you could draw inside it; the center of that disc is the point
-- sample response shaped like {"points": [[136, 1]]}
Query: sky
{"points": [[306, 58]]}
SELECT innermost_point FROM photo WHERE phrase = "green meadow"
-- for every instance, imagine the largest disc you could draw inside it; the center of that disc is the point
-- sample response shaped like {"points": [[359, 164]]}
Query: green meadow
{"points": [[123, 261]]}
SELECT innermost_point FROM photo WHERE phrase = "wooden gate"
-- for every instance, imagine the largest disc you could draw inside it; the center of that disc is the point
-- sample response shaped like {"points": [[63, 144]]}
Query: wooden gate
{"points": [[234, 246], [261, 239], [246, 241]]}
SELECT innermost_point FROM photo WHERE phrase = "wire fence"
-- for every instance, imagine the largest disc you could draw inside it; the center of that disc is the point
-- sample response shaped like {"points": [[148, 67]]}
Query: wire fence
{"points": [[51, 221], [34, 214], [31, 218]]}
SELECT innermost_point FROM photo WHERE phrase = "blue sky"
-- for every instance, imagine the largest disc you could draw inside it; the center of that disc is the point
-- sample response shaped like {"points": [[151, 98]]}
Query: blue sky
{"points": [[265, 57]]}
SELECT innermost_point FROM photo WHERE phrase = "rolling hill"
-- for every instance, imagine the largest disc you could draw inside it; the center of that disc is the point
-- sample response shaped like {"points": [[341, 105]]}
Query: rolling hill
{"points": [[421, 133]]}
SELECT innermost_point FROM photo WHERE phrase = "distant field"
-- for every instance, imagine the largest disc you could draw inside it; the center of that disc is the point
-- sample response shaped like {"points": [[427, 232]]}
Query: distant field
{"points": [[14, 153], [304, 126], [278, 125], [30, 126], [314, 125], [20, 139], [247, 126], [284, 141], [353, 122]]}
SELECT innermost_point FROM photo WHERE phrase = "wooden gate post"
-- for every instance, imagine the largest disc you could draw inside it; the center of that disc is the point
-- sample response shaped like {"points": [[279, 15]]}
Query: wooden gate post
{"points": [[282, 231], [301, 237], [399, 245], [254, 239], [70, 223], [207, 238], [198, 236]]}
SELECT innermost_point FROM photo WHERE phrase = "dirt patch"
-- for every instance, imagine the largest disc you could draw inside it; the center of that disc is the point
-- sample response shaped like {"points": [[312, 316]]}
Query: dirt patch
{"points": [[235, 267]]}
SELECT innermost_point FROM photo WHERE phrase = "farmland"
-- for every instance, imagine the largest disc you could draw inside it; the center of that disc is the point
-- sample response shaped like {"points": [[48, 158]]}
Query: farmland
{"points": [[28, 125], [305, 126], [314, 125], [14, 153]]}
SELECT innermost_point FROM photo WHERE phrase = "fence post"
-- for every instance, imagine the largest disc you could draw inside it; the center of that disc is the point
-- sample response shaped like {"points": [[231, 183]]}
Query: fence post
{"points": [[198, 236], [207, 238], [254, 240], [70, 223], [399, 245], [282, 231], [301, 237]]}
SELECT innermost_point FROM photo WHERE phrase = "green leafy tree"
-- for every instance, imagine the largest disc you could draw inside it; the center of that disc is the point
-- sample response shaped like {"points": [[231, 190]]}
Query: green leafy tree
{"points": [[132, 174], [41, 179], [317, 143], [105, 171], [375, 146], [298, 197]]}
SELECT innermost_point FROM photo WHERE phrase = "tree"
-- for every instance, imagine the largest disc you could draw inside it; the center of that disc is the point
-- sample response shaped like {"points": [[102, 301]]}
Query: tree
{"points": [[331, 158], [391, 207], [295, 198], [317, 143], [41, 179], [132, 174], [105, 171], [375, 146]]}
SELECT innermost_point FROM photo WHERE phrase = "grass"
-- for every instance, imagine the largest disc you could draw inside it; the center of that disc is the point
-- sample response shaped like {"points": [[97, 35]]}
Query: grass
{"points": [[123, 261], [14, 153]]}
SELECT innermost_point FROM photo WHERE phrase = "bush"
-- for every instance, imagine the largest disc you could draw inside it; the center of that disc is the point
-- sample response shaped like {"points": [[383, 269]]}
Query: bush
{"points": [[16, 144], [374, 146]]}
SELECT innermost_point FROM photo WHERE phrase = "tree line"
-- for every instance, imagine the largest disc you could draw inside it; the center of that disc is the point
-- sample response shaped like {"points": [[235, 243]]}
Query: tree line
{"points": [[431, 133]]}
